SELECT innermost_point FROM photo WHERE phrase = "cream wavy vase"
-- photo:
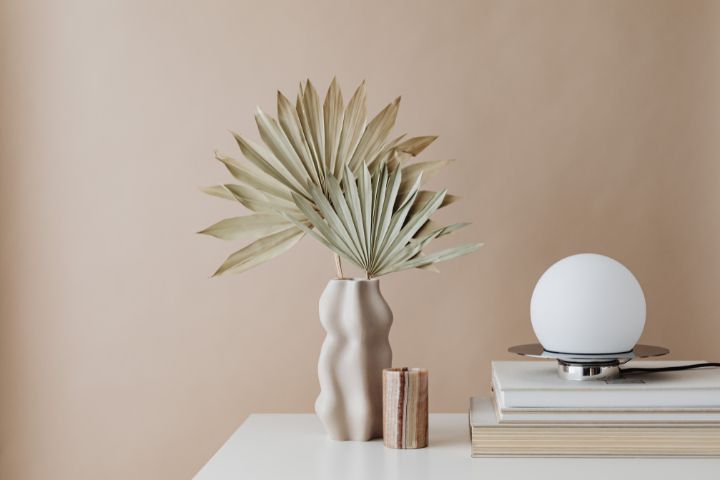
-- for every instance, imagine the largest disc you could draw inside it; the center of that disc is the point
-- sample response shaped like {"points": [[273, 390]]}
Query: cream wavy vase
{"points": [[357, 320]]}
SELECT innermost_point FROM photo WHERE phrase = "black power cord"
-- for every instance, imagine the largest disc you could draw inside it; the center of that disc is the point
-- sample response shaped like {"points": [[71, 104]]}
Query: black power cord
{"points": [[631, 371]]}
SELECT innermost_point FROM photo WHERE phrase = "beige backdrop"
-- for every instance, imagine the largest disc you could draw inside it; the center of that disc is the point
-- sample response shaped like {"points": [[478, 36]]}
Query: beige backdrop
{"points": [[578, 126]]}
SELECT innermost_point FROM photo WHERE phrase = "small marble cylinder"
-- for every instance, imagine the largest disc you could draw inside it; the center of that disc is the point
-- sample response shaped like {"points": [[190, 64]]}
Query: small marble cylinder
{"points": [[405, 407]]}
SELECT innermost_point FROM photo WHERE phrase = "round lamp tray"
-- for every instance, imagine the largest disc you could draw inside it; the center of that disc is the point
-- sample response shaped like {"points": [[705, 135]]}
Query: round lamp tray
{"points": [[578, 366]]}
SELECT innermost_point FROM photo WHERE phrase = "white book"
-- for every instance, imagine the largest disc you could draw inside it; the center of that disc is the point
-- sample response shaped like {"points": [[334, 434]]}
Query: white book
{"points": [[536, 384], [489, 438], [607, 415]]}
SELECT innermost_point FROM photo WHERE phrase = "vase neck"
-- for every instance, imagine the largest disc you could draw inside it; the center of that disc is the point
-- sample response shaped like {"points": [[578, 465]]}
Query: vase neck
{"points": [[356, 284]]}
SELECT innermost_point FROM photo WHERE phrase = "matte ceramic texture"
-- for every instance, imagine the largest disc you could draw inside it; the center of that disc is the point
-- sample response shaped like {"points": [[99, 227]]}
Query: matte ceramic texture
{"points": [[405, 407], [357, 321], [588, 303]]}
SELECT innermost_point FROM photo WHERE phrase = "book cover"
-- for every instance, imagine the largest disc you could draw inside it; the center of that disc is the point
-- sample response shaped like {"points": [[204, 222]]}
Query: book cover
{"points": [[535, 384], [606, 415]]}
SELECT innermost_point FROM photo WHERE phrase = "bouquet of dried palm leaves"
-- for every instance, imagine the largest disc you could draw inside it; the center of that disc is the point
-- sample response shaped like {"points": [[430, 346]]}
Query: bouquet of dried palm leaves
{"points": [[325, 171]]}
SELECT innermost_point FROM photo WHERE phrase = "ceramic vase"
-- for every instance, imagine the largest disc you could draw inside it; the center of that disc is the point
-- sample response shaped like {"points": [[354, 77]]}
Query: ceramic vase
{"points": [[357, 321]]}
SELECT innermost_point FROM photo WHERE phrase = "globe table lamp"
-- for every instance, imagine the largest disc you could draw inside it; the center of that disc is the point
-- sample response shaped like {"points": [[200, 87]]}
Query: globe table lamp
{"points": [[588, 312], [588, 304]]}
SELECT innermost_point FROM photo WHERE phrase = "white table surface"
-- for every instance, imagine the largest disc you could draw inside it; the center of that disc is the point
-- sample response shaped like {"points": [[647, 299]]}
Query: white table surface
{"points": [[294, 446]]}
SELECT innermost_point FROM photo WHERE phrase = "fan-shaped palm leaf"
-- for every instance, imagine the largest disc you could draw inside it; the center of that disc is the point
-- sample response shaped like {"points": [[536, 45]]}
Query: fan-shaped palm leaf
{"points": [[391, 241], [325, 169]]}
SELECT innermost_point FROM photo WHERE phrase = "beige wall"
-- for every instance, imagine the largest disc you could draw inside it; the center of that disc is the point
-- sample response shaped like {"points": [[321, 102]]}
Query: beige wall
{"points": [[578, 126]]}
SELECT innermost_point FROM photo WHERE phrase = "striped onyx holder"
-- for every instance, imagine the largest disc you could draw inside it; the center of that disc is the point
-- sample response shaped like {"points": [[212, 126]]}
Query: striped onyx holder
{"points": [[405, 407]]}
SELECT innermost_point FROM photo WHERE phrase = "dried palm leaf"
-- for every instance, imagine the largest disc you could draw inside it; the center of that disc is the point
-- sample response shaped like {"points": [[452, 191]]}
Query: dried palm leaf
{"points": [[249, 226], [387, 243], [260, 251], [324, 169]]}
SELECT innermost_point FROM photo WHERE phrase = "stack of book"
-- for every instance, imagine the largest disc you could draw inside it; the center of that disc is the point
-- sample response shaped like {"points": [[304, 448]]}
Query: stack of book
{"points": [[534, 412]]}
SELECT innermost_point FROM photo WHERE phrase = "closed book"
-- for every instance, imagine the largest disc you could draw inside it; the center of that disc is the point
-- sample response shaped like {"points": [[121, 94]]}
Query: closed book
{"points": [[489, 438], [606, 415], [536, 384]]}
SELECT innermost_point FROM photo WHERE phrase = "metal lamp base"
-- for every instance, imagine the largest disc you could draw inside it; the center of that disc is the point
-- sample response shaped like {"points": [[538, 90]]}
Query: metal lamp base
{"points": [[582, 367], [575, 371]]}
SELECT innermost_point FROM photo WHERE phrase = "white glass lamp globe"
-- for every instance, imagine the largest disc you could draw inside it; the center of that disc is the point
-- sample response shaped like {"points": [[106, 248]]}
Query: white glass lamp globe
{"points": [[588, 304]]}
